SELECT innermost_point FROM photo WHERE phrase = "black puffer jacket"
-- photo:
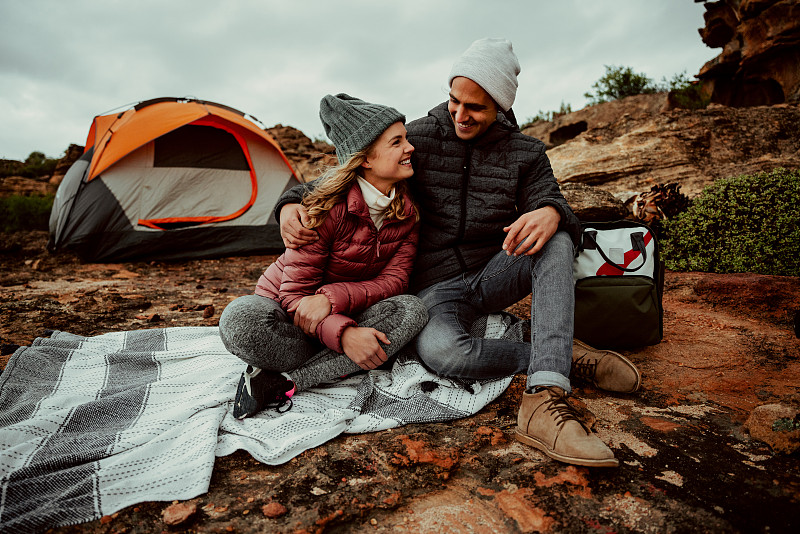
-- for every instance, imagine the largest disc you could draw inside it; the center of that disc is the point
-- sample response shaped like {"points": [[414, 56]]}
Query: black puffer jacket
{"points": [[468, 191]]}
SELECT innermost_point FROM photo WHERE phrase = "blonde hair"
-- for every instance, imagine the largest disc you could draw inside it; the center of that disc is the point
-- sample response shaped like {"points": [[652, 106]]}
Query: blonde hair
{"points": [[332, 187]]}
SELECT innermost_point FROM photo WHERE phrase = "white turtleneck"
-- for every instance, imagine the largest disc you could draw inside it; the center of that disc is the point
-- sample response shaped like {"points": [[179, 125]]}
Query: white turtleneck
{"points": [[376, 201]]}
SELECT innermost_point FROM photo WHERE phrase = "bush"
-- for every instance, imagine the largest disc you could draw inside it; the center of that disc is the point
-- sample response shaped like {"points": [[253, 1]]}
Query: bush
{"points": [[619, 82], [547, 115], [741, 224], [684, 92], [36, 165], [19, 212]]}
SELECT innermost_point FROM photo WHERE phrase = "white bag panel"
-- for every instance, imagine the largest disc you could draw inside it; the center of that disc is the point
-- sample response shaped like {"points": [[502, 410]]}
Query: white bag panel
{"points": [[616, 245]]}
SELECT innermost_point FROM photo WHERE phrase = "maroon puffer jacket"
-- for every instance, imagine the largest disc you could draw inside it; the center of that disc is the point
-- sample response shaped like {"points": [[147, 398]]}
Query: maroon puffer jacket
{"points": [[352, 263]]}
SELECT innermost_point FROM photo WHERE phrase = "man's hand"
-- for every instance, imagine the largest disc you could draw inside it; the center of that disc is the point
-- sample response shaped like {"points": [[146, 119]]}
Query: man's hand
{"points": [[294, 233], [528, 234], [361, 345], [310, 311]]}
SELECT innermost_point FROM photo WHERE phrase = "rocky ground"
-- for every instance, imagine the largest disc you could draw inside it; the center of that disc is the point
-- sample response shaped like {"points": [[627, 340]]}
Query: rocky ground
{"points": [[689, 458]]}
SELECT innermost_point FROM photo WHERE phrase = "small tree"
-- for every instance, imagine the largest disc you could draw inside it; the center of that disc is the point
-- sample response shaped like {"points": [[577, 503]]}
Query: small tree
{"points": [[37, 165], [619, 82]]}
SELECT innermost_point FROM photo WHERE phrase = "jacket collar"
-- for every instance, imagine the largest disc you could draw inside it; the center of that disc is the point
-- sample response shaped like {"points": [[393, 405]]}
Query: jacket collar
{"points": [[358, 206]]}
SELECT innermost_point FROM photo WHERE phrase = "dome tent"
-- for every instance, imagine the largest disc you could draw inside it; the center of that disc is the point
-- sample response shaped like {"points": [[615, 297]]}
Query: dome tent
{"points": [[171, 179]]}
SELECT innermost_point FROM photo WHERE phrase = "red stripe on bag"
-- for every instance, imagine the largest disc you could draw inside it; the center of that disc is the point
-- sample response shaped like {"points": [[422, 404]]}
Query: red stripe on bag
{"points": [[612, 270]]}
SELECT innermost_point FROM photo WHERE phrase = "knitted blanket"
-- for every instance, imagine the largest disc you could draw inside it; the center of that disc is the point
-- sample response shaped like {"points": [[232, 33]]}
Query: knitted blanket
{"points": [[89, 426]]}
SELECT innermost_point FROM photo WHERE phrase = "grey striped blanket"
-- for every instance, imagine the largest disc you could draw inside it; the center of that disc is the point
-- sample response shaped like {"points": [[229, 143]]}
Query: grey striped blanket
{"points": [[91, 425]]}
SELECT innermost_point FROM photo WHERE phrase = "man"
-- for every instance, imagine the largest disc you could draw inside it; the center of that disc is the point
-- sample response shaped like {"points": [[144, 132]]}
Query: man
{"points": [[495, 228]]}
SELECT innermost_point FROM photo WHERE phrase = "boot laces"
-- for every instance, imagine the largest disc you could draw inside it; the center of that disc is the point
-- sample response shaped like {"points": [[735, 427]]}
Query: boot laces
{"points": [[562, 409], [585, 368]]}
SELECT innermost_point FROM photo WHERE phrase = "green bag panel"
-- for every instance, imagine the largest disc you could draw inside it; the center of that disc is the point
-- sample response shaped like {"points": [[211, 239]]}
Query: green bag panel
{"points": [[618, 311]]}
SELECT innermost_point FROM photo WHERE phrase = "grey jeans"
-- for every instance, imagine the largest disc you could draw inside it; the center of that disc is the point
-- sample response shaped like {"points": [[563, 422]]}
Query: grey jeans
{"points": [[446, 346], [261, 333]]}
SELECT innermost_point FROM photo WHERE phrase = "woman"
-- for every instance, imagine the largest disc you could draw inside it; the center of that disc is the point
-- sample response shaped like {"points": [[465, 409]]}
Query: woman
{"points": [[335, 306]]}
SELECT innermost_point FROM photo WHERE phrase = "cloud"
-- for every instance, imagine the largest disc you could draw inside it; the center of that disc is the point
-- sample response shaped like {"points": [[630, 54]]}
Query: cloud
{"points": [[62, 63]]}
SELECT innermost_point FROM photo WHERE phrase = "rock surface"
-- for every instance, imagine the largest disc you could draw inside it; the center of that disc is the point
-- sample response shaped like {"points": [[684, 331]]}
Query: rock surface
{"points": [[178, 513], [777, 425], [309, 158], [592, 204], [625, 147], [688, 462], [760, 59], [697, 446]]}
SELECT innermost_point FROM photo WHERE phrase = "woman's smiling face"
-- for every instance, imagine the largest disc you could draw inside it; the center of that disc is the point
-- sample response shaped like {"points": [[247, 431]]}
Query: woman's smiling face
{"points": [[389, 160]]}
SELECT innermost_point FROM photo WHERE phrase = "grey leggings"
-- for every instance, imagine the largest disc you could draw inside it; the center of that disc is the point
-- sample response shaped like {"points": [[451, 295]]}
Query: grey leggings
{"points": [[261, 333]]}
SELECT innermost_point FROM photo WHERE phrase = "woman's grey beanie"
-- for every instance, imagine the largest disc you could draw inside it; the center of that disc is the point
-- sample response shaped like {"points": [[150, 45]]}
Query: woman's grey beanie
{"points": [[492, 64], [353, 124]]}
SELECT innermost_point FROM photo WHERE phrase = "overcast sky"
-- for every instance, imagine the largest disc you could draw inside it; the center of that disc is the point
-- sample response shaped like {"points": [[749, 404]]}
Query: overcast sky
{"points": [[64, 61]]}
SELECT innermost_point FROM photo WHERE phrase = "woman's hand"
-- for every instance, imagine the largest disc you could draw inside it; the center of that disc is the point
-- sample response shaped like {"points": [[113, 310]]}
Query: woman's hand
{"points": [[294, 233], [310, 311], [361, 345]]}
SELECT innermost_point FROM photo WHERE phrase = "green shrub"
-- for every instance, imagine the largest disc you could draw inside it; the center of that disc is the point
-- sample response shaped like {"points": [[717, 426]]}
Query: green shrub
{"points": [[741, 224], [619, 82], [547, 115], [9, 167], [19, 212], [36, 165], [685, 92]]}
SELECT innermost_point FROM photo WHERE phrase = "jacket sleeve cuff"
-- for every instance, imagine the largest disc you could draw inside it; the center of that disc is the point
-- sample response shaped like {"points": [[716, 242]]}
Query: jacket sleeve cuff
{"points": [[330, 330], [340, 302]]}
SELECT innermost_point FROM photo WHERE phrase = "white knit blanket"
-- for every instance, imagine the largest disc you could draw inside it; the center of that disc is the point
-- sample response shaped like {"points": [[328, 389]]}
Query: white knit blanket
{"points": [[89, 426]]}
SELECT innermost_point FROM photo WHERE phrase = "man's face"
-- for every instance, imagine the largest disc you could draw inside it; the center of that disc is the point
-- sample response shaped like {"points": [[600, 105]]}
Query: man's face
{"points": [[471, 108]]}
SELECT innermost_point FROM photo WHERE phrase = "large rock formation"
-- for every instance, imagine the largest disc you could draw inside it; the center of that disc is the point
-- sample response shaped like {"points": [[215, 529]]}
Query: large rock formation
{"points": [[565, 127], [760, 59], [627, 146], [309, 158]]}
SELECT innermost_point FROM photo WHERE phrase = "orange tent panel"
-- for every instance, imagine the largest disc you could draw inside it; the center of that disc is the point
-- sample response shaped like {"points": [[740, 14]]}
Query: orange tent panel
{"points": [[112, 142]]}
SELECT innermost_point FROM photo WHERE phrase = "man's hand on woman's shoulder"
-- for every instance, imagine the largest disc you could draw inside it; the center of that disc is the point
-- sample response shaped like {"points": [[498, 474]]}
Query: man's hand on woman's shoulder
{"points": [[294, 233]]}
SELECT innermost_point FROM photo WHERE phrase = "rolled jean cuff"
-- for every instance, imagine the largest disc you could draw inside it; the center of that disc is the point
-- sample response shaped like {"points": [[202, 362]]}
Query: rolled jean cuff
{"points": [[549, 378]]}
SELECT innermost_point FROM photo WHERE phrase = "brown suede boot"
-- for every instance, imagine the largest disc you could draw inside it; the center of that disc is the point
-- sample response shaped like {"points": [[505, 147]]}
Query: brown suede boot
{"points": [[549, 423], [605, 369]]}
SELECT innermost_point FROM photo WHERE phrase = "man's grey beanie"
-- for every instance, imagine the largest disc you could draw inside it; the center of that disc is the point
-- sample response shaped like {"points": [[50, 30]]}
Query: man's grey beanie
{"points": [[492, 64], [353, 124]]}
